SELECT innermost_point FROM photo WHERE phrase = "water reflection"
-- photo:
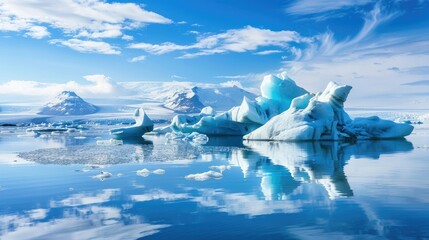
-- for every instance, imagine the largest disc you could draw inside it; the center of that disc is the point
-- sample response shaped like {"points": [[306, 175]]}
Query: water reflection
{"points": [[284, 165]]}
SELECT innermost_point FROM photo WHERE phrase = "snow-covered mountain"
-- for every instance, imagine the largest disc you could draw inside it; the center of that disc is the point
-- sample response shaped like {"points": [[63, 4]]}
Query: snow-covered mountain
{"points": [[184, 101], [68, 103], [188, 97]]}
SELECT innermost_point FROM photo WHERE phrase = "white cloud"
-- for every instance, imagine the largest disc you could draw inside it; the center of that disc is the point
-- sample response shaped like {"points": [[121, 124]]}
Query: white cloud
{"points": [[138, 59], [177, 77], [234, 40], [37, 32], [88, 46], [100, 85], [304, 7], [268, 52], [364, 59], [89, 18]]}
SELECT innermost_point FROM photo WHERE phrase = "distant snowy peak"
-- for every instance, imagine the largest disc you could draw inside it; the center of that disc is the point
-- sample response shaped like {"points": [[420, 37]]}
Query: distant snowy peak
{"points": [[222, 98], [192, 100], [68, 103], [184, 101]]}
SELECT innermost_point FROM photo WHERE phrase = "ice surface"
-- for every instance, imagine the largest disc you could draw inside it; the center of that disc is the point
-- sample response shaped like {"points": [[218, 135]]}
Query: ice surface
{"points": [[68, 103], [324, 118], [143, 125]]}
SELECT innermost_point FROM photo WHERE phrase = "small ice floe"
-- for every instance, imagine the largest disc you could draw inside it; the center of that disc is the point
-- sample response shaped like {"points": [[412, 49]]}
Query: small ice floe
{"points": [[204, 176], [110, 142], [80, 137], [143, 172], [159, 171], [103, 175], [196, 138], [221, 168], [119, 175]]}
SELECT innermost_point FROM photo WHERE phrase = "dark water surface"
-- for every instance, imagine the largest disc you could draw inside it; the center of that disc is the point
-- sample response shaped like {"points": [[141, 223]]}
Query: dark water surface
{"points": [[267, 190]]}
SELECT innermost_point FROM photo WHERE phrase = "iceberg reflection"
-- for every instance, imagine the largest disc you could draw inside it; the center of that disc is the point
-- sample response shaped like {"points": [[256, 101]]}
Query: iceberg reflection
{"points": [[284, 165]]}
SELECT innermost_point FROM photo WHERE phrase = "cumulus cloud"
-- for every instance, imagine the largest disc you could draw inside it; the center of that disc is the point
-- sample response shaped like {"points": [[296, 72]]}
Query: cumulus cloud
{"points": [[89, 18], [234, 40], [88, 46]]}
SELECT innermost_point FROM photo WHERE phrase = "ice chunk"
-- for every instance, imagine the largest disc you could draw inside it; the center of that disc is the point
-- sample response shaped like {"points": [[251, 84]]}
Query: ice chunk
{"points": [[103, 175], [160, 130], [143, 125], [208, 111], [237, 121], [204, 176], [221, 168], [143, 172], [158, 171], [376, 128], [193, 137]]}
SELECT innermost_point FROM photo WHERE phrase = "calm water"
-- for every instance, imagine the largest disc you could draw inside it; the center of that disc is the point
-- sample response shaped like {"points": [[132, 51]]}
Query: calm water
{"points": [[366, 190]]}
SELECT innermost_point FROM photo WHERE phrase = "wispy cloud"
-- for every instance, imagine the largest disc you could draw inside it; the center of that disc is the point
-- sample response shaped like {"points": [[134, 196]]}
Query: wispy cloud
{"points": [[88, 46], [379, 59], [305, 7], [177, 77], [268, 52], [234, 40], [138, 59]]}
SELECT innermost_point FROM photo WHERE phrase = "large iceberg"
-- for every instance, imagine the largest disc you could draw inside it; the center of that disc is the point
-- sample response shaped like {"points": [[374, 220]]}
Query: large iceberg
{"points": [[285, 111], [143, 125], [322, 117]]}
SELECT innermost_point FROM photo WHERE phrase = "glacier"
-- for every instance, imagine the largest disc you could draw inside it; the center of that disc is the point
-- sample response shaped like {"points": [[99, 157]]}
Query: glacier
{"points": [[143, 124], [288, 112]]}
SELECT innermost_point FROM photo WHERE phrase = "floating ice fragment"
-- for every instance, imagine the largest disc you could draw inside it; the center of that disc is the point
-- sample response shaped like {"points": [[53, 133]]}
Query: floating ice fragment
{"points": [[196, 138], [204, 176], [158, 171], [143, 172], [103, 175], [221, 168], [143, 125], [80, 137]]}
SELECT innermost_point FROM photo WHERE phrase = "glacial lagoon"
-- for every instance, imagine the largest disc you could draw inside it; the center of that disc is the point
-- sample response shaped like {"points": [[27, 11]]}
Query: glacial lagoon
{"points": [[66, 186]]}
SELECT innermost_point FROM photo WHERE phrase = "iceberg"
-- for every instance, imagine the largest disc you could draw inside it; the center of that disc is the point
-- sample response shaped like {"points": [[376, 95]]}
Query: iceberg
{"points": [[322, 117], [287, 112], [143, 125], [237, 121]]}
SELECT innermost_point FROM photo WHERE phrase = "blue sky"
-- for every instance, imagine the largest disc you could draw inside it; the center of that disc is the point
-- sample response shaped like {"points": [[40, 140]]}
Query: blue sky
{"points": [[351, 41]]}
